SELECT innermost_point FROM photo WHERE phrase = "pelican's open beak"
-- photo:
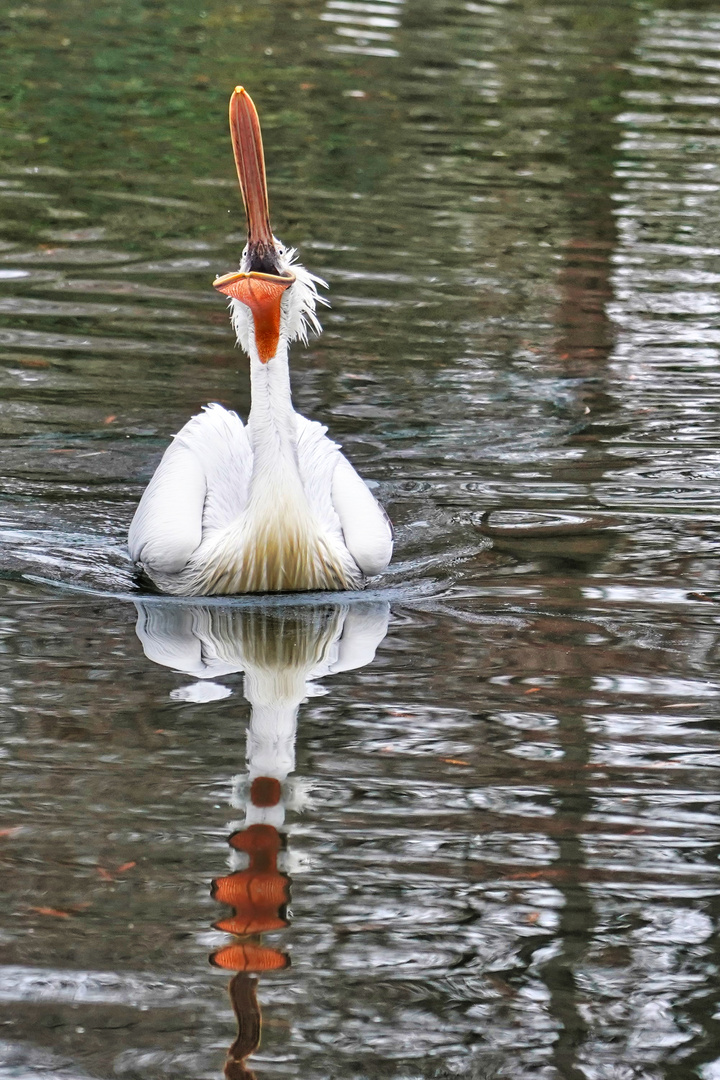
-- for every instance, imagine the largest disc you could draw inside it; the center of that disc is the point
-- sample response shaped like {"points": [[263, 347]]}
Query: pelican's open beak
{"points": [[261, 287]]}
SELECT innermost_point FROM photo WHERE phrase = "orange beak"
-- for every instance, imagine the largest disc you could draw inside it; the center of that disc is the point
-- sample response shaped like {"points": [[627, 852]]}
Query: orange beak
{"points": [[250, 165], [261, 289]]}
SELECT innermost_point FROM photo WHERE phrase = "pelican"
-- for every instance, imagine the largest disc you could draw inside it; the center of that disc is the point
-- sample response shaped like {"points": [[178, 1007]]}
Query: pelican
{"points": [[270, 506]]}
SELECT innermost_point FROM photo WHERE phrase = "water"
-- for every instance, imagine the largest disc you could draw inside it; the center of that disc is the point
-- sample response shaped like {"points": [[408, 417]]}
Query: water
{"points": [[493, 847]]}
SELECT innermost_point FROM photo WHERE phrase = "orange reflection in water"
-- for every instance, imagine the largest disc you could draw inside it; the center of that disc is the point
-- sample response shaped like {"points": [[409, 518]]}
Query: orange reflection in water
{"points": [[259, 896]]}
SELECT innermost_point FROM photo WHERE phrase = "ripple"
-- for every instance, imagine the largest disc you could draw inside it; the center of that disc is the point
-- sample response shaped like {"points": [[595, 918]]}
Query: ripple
{"points": [[35, 339], [68, 255], [48, 985]]}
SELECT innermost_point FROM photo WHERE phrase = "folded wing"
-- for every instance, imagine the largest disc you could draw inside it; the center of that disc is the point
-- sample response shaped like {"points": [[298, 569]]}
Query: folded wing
{"points": [[365, 525], [342, 500], [201, 484]]}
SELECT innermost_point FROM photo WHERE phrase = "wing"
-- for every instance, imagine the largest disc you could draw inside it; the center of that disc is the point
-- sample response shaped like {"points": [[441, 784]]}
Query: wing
{"points": [[342, 499], [200, 485], [365, 525]]}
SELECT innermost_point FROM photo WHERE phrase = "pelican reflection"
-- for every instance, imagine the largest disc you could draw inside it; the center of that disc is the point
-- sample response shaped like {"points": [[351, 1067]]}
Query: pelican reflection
{"points": [[282, 651]]}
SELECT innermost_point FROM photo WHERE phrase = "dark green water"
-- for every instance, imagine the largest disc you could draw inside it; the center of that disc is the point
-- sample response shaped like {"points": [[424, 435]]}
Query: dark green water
{"points": [[499, 812]]}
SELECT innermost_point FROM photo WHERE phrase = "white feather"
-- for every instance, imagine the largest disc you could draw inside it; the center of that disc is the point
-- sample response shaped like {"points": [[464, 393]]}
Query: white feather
{"points": [[365, 525], [200, 485]]}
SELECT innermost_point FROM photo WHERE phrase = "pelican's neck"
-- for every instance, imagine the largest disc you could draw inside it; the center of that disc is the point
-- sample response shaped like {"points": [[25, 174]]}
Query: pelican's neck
{"points": [[272, 425], [275, 695]]}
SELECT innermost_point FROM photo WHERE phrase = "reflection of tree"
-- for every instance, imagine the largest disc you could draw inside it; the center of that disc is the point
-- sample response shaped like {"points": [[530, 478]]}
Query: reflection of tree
{"points": [[605, 35], [281, 650], [577, 918]]}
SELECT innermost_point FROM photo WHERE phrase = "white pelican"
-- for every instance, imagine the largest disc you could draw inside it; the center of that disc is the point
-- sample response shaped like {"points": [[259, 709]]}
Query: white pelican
{"points": [[272, 506]]}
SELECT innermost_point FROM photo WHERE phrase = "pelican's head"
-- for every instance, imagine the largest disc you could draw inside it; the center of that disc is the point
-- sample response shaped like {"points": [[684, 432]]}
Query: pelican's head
{"points": [[273, 296]]}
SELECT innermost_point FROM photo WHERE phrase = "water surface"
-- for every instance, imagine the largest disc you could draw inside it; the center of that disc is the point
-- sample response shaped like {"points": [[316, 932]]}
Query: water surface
{"points": [[490, 844]]}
